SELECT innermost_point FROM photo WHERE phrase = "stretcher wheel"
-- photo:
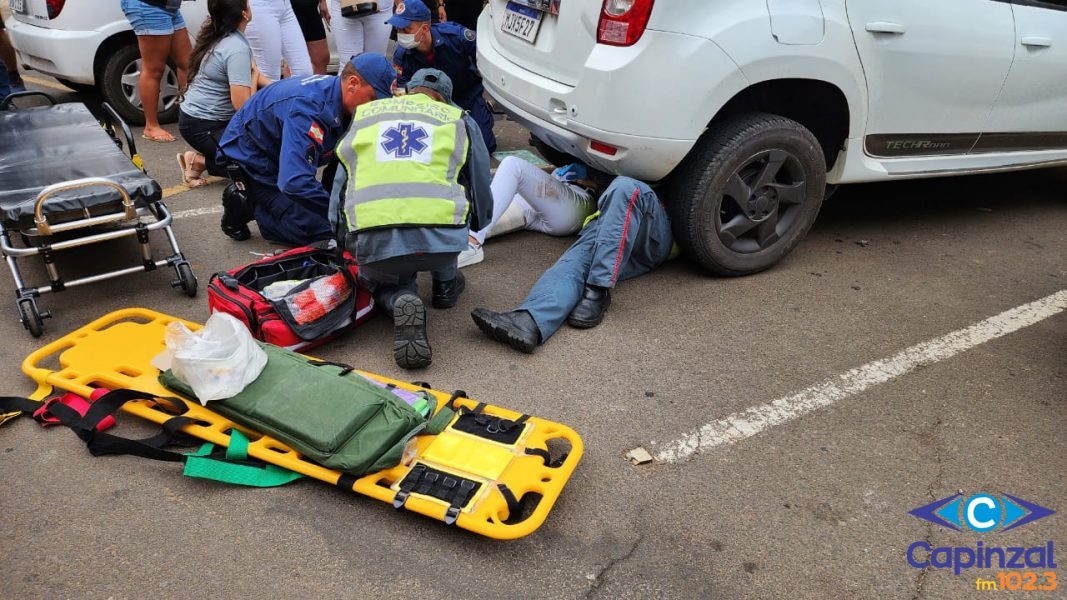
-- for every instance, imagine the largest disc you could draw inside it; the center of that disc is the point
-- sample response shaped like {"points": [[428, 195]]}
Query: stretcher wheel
{"points": [[186, 280], [31, 319]]}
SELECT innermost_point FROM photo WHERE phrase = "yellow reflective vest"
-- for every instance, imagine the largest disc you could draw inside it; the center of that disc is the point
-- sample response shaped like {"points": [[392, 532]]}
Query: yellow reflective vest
{"points": [[403, 157]]}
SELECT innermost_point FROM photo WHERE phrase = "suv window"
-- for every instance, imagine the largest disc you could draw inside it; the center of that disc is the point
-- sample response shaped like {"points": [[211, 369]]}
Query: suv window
{"points": [[1049, 4]]}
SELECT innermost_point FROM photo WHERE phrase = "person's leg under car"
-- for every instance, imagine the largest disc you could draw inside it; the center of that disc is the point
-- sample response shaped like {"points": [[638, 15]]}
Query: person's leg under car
{"points": [[630, 237], [484, 118], [547, 305], [633, 238]]}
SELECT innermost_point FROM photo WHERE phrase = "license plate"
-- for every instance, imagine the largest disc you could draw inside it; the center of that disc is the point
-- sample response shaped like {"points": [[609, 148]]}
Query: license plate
{"points": [[18, 6], [521, 21]]}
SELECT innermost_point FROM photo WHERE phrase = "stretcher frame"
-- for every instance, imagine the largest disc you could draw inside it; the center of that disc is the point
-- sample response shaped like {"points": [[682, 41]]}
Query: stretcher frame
{"points": [[114, 352], [126, 221]]}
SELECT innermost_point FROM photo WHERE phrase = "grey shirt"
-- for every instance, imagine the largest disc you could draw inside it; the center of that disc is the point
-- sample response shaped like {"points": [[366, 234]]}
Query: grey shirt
{"points": [[228, 63], [379, 244]]}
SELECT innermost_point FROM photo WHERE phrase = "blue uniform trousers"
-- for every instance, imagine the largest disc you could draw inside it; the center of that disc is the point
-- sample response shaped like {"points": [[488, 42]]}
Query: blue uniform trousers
{"points": [[388, 279], [481, 114], [284, 219], [631, 237]]}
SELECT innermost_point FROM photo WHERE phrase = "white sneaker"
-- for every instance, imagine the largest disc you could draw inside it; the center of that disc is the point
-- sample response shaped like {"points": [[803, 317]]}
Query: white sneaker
{"points": [[471, 256]]}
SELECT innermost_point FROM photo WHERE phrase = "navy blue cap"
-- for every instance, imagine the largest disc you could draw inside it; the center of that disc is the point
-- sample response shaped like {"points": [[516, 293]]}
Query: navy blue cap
{"points": [[376, 70], [408, 12], [432, 79]]}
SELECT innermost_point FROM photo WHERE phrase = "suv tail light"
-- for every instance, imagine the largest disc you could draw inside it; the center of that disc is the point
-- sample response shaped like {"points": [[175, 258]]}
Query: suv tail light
{"points": [[55, 7], [623, 22]]}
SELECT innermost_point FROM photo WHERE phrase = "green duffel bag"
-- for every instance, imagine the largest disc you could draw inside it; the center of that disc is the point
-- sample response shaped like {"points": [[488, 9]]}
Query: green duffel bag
{"points": [[326, 412]]}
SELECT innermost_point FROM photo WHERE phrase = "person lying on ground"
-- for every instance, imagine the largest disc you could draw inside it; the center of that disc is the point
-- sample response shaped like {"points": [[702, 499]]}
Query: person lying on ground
{"points": [[556, 203], [628, 236]]}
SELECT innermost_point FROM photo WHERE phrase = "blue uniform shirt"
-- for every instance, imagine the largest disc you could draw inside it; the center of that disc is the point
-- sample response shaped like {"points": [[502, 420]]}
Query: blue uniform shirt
{"points": [[285, 132], [455, 53]]}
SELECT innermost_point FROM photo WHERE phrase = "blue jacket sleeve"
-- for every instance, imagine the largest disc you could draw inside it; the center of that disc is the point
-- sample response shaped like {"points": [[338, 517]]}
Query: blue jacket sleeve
{"points": [[477, 172], [298, 160]]}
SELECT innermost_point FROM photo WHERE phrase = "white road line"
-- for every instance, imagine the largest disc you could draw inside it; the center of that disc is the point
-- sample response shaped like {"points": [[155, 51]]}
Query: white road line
{"points": [[196, 212], [747, 423]]}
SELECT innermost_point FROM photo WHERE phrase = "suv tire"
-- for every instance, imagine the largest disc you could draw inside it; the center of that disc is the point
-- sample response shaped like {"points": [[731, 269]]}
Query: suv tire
{"points": [[747, 193], [125, 63]]}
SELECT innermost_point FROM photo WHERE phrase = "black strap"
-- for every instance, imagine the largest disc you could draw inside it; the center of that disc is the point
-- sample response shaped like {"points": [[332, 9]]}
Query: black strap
{"points": [[456, 394], [346, 481], [18, 404], [100, 443], [544, 454], [514, 506], [345, 369]]}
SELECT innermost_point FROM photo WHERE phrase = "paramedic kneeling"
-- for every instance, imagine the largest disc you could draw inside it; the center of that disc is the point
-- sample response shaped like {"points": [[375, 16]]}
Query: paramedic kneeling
{"points": [[628, 236], [415, 180], [283, 134]]}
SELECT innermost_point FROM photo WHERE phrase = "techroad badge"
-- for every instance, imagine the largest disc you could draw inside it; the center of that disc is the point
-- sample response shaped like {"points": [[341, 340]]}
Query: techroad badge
{"points": [[1026, 568]]}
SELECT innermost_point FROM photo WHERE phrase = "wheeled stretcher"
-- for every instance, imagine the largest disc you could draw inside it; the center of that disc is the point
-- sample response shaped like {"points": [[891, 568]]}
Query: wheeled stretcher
{"points": [[65, 184], [492, 471]]}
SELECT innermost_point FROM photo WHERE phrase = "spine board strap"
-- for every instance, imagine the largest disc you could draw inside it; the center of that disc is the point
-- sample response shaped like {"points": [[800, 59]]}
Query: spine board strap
{"points": [[446, 487]]}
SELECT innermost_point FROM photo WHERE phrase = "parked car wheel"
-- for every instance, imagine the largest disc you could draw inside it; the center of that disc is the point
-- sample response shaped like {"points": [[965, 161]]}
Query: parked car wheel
{"points": [[747, 193], [120, 87]]}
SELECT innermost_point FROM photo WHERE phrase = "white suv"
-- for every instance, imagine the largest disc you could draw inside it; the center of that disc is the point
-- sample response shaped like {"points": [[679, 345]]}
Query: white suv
{"points": [[87, 43], [748, 108]]}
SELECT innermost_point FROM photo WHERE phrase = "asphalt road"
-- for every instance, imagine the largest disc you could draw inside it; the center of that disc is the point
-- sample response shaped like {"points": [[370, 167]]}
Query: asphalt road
{"points": [[815, 506]]}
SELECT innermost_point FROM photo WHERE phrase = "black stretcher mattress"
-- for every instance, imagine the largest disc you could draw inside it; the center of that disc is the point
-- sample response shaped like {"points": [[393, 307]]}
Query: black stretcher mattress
{"points": [[45, 145]]}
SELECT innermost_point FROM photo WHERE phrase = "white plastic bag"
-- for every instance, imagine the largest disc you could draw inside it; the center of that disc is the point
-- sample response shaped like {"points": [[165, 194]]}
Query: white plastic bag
{"points": [[217, 361]]}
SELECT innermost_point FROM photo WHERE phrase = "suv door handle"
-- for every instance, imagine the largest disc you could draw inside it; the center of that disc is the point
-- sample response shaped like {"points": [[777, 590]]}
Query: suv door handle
{"points": [[885, 27], [1034, 41]]}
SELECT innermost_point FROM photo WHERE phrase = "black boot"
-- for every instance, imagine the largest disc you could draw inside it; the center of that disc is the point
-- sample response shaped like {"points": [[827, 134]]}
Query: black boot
{"points": [[516, 328], [236, 213], [411, 349], [446, 293], [591, 308]]}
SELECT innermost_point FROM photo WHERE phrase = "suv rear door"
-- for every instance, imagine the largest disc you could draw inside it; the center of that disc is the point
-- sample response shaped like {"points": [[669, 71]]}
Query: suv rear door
{"points": [[1031, 113], [933, 69], [562, 38]]}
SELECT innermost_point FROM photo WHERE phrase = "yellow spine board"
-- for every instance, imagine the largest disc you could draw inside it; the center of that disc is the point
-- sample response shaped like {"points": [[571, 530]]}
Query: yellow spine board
{"points": [[115, 351]]}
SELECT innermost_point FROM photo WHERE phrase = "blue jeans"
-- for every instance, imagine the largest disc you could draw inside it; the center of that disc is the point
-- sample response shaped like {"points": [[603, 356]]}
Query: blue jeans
{"points": [[148, 19], [631, 237]]}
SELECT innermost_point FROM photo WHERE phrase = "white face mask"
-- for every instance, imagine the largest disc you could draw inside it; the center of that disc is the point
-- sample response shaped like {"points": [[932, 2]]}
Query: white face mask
{"points": [[406, 40]]}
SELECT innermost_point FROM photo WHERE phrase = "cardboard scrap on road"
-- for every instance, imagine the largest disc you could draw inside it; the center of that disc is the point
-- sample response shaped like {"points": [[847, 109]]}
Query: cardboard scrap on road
{"points": [[639, 456]]}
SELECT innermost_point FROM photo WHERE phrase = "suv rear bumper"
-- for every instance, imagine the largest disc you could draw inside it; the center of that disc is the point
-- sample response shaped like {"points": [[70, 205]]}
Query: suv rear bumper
{"points": [[636, 92], [56, 52], [649, 159]]}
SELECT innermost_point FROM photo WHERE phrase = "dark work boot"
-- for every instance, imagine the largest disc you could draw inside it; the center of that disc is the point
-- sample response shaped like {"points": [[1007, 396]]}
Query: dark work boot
{"points": [[516, 328], [446, 293], [235, 214], [411, 349], [591, 308]]}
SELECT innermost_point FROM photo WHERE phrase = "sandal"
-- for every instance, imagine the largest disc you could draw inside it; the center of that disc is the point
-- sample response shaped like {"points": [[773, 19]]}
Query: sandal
{"points": [[194, 181], [168, 138]]}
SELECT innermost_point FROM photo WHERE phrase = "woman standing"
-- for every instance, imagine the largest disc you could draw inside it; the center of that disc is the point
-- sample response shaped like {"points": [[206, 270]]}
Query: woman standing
{"points": [[312, 14], [160, 31], [275, 33], [223, 78], [355, 36]]}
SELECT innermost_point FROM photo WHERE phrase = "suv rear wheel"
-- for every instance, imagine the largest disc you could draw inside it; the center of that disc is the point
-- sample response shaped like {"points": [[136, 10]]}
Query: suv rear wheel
{"points": [[747, 193], [120, 87]]}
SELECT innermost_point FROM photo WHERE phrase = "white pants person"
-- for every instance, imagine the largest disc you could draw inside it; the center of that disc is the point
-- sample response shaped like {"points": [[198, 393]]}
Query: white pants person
{"points": [[365, 34], [548, 205], [274, 33]]}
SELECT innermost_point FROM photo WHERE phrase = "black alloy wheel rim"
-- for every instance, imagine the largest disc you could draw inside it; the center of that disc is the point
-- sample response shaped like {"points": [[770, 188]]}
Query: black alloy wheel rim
{"points": [[762, 200]]}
